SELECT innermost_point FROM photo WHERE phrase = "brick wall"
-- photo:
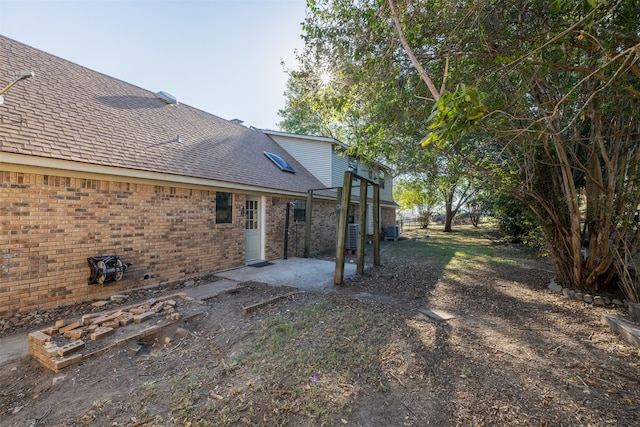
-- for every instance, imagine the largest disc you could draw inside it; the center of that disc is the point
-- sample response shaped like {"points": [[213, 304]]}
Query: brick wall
{"points": [[51, 224], [322, 233], [387, 217]]}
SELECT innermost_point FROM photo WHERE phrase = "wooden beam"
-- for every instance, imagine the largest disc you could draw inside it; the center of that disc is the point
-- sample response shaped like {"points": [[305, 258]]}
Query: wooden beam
{"points": [[341, 238], [307, 223], [376, 225], [338, 199], [362, 227]]}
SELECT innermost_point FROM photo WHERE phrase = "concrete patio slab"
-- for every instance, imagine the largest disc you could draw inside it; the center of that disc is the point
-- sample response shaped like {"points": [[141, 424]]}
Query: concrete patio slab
{"points": [[306, 274]]}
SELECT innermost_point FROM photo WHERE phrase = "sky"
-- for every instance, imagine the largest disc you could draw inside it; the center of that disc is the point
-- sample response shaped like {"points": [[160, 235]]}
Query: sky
{"points": [[220, 56]]}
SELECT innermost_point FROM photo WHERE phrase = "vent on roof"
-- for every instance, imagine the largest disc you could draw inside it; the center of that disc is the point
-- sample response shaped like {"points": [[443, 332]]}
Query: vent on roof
{"points": [[167, 97], [279, 161]]}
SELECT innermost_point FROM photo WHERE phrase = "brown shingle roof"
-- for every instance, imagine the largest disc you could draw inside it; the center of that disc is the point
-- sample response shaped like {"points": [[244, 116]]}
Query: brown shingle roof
{"points": [[69, 112]]}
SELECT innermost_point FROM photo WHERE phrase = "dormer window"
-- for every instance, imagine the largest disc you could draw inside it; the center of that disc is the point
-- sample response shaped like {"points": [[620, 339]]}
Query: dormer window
{"points": [[280, 162]]}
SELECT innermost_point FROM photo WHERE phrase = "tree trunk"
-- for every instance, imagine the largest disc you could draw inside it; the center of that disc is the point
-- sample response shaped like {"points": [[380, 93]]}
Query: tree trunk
{"points": [[449, 213]]}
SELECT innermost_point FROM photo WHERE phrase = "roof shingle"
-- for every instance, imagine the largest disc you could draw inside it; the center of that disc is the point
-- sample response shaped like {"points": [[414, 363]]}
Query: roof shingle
{"points": [[70, 112]]}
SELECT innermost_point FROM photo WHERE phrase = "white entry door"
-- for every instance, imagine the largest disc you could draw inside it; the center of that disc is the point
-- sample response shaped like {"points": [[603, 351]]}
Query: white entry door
{"points": [[253, 233]]}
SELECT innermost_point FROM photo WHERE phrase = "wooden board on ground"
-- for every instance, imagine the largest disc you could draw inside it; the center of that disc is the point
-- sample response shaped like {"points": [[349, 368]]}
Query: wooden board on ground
{"points": [[437, 314]]}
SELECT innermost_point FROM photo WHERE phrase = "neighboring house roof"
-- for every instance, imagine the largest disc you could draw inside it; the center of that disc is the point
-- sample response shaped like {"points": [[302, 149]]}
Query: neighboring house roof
{"points": [[71, 113], [338, 145], [307, 137], [318, 155]]}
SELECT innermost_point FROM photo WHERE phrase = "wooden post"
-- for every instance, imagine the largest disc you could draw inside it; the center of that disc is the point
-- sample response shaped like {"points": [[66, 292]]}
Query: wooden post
{"points": [[341, 237], [376, 225], [362, 227], [338, 200], [286, 231], [307, 223]]}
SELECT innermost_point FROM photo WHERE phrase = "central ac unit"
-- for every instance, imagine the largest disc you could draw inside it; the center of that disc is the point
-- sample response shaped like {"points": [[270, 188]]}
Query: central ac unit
{"points": [[352, 238], [393, 233]]}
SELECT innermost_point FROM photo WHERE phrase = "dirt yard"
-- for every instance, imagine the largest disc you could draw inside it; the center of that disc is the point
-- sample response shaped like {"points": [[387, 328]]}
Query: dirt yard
{"points": [[364, 354]]}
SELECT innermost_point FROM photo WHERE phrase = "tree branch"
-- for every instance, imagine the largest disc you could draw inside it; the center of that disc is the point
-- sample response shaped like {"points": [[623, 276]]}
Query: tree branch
{"points": [[412, 56]]}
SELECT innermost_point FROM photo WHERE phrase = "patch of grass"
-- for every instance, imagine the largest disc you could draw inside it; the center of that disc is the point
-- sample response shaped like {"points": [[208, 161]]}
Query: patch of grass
{"points": [[187, 392], [456, 249], [325, 337], [149, 388], [311, 363], [230, 365], [99, 410]]}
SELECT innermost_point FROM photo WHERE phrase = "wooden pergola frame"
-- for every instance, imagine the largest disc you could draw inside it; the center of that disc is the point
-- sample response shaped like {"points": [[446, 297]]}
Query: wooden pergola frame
{"points": [[341, 238], [344, 199]]}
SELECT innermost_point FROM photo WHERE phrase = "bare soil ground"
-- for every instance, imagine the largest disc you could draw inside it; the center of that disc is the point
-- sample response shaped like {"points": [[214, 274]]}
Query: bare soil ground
{"points": [[362, 355]]}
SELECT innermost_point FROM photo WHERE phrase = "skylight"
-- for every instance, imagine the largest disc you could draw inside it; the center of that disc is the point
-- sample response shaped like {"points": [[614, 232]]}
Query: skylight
{"points": [[280, 162]]}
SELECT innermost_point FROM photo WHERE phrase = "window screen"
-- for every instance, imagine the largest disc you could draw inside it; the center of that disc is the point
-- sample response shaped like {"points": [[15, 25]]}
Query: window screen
{"points": [[224, 204], [299, 210]]}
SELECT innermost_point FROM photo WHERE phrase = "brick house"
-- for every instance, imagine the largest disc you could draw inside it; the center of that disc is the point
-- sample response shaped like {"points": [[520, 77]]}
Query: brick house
{"points": [[93, 166]]}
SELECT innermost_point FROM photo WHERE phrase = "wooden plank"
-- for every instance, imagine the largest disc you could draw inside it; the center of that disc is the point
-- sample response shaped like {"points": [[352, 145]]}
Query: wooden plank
{"points": [[341, 238], [307, 223], [437, 314], [376, 225], [629, 332], [362, 227], [253, 307]]}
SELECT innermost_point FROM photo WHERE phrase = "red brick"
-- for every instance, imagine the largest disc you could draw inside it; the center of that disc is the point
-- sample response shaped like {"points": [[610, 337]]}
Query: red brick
{"points": [[142, 317], [113, 324], [125, 319], [58, 363], [90, 328], [38, 337], [75, 333], [88, 317], [106, 318], [100, 332], [69, 327], [157, 307], [51, 349], [70, 348]]}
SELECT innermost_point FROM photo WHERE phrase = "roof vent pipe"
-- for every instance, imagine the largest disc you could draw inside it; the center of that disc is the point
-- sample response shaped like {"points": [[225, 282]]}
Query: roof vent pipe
{"points": [[167, 97]]}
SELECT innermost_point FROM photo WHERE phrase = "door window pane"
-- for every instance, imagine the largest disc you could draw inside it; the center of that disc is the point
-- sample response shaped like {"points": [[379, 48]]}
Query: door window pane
{"points": [[251, 215]]}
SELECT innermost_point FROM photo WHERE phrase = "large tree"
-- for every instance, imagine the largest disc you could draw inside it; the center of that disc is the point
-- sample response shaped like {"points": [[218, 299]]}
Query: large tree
{"points": [[357, 84], [539, 99], [562, 122]]}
